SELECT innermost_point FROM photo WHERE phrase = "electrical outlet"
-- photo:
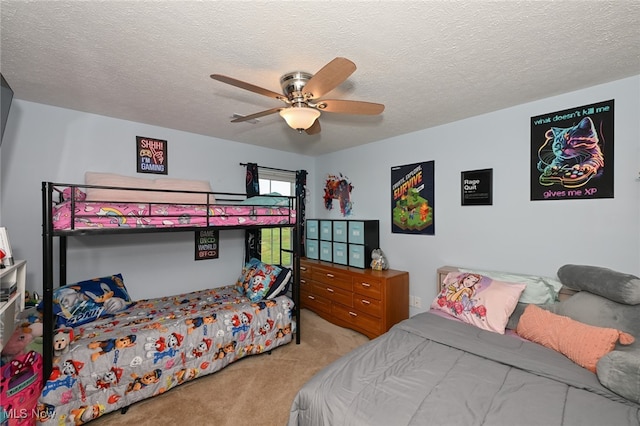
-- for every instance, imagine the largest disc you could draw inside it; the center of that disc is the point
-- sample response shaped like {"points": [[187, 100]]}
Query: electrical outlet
{"points": [[415, 301]]}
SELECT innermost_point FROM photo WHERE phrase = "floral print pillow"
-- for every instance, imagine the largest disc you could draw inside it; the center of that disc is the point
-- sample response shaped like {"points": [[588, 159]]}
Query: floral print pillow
{"points": [[478, 300]]}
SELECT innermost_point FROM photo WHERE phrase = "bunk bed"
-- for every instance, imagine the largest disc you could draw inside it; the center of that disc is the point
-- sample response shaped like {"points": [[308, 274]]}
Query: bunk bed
{"points": [[153, 345]]}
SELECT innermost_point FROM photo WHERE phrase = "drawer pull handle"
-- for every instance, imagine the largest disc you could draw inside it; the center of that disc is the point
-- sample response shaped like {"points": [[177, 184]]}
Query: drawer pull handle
{"points": [[330, 275], [366, 285], [311, 297], [303, 268], [330, 290], [302, 281], [353, 314], [365, 302]]}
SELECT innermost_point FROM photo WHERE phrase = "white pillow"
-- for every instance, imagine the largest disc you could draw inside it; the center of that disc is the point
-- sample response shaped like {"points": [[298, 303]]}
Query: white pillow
{"points": [[539, 290], [128, 196]]}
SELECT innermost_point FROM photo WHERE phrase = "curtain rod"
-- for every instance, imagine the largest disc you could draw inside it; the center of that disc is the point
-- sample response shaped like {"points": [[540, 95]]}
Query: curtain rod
{"points": [[272, 168]]}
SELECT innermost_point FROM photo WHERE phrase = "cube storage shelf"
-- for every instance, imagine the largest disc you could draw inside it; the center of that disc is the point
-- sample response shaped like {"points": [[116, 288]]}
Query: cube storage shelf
{"points": [[341, 241]]}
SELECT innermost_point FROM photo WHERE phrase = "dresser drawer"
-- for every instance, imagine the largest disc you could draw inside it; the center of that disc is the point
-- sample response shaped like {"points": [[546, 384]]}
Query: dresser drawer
{"points": [[332, 277], [314, 302], [334, 294], [368, 286], [369, 306], [305, 271], [369, 325]]}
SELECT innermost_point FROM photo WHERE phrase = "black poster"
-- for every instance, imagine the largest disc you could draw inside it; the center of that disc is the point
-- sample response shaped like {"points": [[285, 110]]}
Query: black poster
{"points": [[151, 155], [477, 187], [207, 242], [412, 198], [572, 153]]}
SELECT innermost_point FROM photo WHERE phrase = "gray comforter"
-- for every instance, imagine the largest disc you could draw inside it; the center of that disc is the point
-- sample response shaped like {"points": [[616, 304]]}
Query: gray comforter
{"points": [[429, 370]]}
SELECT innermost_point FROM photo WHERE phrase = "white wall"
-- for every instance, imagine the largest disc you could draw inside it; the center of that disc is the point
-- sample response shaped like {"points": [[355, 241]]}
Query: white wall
{"points": [[514, 234], [44, 143]]}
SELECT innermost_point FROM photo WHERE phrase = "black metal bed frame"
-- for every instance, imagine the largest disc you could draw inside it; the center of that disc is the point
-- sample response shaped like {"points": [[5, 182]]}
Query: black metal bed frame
{"points": [[51, 195]]}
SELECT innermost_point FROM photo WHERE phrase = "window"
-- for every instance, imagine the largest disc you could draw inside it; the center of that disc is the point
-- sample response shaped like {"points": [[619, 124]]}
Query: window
{"points": [[274, 240]]}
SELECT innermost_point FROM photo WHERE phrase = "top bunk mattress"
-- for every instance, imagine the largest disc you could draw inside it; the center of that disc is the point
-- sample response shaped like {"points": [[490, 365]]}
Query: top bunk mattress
{"points": [[164, 209], [95, 215]]}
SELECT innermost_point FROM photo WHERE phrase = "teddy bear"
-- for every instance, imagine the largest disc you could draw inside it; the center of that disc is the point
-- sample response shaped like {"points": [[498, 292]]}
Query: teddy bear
{"points": [[378, 260]]}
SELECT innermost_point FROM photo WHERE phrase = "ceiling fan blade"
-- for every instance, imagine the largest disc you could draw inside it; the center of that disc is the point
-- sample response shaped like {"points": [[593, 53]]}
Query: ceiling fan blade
{"points": [[328, 78], [350, 107], [248, 86], [314, 129], [256, 115]]}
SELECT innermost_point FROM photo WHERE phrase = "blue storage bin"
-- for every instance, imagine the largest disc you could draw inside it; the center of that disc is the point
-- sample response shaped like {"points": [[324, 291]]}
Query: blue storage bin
{"points": [[312, 229], [340, 231], [326, 251], [356, 232], [326, 230], [340, 254], [313, 251], [357, 256]]}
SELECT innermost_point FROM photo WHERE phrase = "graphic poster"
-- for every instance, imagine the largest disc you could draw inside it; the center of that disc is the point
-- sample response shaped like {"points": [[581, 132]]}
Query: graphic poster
{"points": [[572, 153], [477, 187], [412, 199], [151, 155], [207, 244]]}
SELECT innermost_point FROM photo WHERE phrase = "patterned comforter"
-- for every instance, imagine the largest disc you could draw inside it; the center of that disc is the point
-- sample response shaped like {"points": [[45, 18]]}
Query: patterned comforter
{"points": [[155, 345], [93, 215]]}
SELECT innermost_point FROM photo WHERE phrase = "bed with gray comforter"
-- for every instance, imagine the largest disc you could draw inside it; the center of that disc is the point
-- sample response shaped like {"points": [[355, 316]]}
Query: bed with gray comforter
{"points": [[429, 370]]}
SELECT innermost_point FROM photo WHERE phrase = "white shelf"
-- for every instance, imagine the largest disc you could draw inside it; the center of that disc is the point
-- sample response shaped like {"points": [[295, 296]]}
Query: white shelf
{"points": [[10, 309]]}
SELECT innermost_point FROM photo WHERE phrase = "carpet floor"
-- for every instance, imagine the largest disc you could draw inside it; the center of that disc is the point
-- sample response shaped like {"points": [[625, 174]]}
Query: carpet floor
{"points": [[257, 390]]}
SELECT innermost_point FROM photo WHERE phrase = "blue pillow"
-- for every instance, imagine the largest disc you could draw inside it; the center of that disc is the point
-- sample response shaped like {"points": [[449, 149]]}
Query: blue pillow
{"points": [[274, 199], [86, 301], [257, 278], [281, 285]]}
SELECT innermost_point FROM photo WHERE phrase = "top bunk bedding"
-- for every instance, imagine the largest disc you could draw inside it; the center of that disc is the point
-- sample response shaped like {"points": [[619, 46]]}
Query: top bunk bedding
{"points": [[94, 207]]}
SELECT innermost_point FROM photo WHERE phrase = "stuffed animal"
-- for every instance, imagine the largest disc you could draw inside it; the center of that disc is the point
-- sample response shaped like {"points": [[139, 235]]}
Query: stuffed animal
{"points": [[378, 260], [62, 338], [22, 336]]}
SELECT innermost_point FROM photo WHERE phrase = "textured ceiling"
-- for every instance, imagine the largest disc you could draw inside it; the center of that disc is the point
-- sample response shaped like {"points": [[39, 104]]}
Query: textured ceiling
{"points": [[429, 62]]}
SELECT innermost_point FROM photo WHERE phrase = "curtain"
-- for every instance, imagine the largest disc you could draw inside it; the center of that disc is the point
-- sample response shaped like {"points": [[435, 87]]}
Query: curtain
{"points": [[252, 237], [301, 184]]}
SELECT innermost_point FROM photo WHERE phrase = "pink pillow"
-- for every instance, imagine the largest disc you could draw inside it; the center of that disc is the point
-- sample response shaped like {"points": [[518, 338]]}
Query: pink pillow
{"points": [[583, 344], [478, 300]]}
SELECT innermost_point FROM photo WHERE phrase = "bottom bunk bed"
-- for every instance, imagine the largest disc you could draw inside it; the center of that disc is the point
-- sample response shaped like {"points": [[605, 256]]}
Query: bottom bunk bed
{"points": [[484, 358], [150, 346]]}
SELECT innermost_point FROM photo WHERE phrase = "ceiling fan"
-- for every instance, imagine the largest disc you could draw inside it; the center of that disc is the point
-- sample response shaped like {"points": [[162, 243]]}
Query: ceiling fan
{"points": [[301, 93]]}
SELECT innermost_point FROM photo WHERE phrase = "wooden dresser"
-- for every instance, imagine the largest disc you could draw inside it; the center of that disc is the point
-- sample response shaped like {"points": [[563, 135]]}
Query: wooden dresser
{"points": [[364, 300]]}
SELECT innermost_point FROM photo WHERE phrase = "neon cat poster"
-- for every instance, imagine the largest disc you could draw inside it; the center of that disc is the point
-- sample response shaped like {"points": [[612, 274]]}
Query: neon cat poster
{"points": [[572, 153], [412, 199]]}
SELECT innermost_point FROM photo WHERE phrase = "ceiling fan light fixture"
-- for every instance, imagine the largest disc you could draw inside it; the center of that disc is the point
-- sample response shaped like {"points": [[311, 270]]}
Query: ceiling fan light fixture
{"points": [[300, 118]]}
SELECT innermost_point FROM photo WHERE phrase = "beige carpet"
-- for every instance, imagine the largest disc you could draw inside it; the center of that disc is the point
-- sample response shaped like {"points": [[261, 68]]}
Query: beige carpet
{"points": [[257, 390]]}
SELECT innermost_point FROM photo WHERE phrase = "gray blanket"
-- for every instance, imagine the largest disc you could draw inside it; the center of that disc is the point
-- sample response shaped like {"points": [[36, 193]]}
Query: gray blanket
{"points": [[429, 370]]}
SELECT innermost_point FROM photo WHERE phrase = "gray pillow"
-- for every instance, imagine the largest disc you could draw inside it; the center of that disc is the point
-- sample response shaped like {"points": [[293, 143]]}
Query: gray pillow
{"points": [[601, 312], [616, 286], [618, 370]]}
